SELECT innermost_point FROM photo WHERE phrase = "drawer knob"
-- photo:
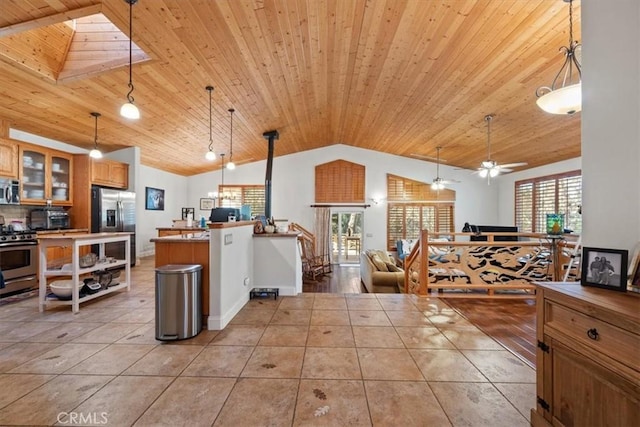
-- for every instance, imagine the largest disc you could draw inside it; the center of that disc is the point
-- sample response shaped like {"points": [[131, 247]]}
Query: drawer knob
{"points": [[593, 333]]}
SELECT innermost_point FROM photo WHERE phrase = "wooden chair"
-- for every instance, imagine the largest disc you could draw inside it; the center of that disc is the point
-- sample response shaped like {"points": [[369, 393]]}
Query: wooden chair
{"points": [[312, 265]]}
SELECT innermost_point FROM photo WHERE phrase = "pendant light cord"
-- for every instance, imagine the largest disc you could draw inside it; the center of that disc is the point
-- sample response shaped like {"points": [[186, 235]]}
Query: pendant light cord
{"points": [[488, 119], [129, 96], [95, 138], [210, 89], [231, 110]]}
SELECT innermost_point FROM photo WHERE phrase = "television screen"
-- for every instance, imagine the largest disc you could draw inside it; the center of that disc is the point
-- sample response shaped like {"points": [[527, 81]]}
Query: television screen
{"points": [[222, 214]]}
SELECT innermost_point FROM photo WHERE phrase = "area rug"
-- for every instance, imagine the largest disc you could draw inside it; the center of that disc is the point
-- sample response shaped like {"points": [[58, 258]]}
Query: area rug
{"points": [[18, 297]]}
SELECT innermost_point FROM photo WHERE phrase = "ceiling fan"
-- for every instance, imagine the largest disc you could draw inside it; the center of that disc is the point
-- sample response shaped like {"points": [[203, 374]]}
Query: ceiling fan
{"points": [[439, 183], [490, 168]]}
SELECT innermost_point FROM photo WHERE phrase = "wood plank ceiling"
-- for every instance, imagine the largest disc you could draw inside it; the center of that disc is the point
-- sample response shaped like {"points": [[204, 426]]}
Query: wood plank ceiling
{"points": [[397, 76]]}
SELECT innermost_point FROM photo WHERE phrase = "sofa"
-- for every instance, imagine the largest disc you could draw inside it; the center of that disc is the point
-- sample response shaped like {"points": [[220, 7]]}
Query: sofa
{"points": [[379, 273]]}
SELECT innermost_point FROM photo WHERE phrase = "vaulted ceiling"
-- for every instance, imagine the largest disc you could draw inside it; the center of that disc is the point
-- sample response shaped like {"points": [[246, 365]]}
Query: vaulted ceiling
{"points": [[397, 76]]}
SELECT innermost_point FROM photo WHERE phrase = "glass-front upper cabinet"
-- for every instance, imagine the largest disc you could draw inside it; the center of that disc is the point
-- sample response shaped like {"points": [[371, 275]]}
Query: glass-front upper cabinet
{"points": [[60, 178], [33, 175], [45, 175]]}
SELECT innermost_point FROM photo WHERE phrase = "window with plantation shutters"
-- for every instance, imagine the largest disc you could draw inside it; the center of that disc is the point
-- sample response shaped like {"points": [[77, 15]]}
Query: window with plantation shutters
{"points": [[413, 206], [537, 197], [234, 196], [339, 182]]}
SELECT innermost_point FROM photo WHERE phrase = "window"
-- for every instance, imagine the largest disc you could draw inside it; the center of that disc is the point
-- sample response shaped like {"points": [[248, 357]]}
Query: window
{"points": [[413, 206], [537, 197], [234, 196]]}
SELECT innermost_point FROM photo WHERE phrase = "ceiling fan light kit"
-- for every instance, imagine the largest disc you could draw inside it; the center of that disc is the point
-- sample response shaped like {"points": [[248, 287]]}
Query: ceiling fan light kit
{"points": [[129, 109], [490, 168], [565, 94]]}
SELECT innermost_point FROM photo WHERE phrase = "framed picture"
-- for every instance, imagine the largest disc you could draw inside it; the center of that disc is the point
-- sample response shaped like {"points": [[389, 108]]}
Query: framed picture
{"points": [[206, 204], [187, 211], [154, 199], [604, 268], [633, 274]]}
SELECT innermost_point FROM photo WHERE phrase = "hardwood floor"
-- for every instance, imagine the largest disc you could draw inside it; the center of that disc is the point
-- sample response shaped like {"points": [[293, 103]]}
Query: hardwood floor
{"points": [[511, 322]]}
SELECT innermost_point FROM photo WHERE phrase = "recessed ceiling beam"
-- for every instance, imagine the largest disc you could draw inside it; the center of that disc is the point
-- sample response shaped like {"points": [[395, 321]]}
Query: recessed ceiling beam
{"points": [[50, 20]]}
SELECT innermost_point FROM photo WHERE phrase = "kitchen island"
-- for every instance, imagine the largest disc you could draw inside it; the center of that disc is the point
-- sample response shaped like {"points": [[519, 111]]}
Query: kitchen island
{"points": [[173, 231], [77, 241]]}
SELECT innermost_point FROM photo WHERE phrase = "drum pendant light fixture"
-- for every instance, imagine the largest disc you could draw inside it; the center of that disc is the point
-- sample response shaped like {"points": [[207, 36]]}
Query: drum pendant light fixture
{"points": [[231, 165], [95, 153], [565, 94], [128, 109], [211, 156]]}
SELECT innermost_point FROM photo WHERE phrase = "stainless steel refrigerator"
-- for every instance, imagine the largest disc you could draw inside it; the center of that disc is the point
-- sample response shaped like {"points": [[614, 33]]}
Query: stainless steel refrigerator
{"points": [[113, 211]]}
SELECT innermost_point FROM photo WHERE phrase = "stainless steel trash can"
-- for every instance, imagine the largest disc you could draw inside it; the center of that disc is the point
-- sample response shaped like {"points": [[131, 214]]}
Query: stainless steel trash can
{"points": [[178, 301]]}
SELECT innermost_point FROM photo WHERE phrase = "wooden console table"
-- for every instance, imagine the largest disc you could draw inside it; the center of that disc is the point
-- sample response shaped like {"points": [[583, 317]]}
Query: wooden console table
{"points": [[75, 241], [588, 364]]}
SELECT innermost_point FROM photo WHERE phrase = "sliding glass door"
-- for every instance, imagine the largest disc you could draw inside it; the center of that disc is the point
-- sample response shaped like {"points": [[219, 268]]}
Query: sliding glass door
{"points": [[346, 236]]}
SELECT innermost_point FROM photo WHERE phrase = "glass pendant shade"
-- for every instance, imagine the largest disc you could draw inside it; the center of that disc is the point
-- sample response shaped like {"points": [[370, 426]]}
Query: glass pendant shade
{"points": [[95, 154], [437, 185], [566, 100], [210, 155], [231, 166], [483, 173], [129, 111], [493, 172]]}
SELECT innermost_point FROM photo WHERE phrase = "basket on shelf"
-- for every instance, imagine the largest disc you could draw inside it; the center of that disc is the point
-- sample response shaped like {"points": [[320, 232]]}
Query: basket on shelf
{"points": [[88, 260]]}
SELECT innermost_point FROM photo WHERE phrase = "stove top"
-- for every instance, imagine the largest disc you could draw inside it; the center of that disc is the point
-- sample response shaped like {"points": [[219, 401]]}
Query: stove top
{"points": [[9, 235]]}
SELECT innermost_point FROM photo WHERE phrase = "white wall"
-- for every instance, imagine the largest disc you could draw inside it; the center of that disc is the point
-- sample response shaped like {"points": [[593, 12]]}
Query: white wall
{"points": [[293, 184], [611, 123], [175, 198]]}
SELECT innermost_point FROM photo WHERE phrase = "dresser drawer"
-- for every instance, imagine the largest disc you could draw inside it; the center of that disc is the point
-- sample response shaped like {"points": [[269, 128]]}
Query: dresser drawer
{"points": [[594, 333]]}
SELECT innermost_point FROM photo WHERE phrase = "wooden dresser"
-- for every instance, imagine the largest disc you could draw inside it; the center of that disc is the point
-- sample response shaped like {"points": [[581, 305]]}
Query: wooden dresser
{"points": [[588, 356]]}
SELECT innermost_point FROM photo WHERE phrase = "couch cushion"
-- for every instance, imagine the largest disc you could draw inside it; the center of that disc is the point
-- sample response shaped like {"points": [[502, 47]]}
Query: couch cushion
{"points": [[377, 261], [393, 268]]}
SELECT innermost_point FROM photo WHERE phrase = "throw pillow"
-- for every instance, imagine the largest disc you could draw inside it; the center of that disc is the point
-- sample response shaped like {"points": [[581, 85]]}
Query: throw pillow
{"points": [[407, 245], [377, 261], [393, 268], [384, 256]]}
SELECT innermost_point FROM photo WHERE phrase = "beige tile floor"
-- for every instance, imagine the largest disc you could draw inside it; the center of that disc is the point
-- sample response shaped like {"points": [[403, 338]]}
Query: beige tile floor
{"points": [[313, 359]]}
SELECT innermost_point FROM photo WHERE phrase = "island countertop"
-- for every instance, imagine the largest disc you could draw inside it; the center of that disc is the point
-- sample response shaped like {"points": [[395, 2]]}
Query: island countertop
{"points": [[202, 237], [81, 236], [193, 229]]}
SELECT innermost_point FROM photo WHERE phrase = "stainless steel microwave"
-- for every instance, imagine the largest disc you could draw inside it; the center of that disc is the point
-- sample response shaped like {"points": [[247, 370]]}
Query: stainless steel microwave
{"points": [[9, 191]]}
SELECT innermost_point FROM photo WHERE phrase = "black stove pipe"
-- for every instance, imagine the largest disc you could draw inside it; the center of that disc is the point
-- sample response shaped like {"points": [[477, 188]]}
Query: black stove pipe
{"points": [[271, 136]]}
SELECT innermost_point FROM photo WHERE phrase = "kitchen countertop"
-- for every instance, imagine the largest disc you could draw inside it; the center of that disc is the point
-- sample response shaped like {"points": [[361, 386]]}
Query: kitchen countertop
{"points": [[202, 237], [181, 228], [66, 230], [80, 236], [288, 234]]}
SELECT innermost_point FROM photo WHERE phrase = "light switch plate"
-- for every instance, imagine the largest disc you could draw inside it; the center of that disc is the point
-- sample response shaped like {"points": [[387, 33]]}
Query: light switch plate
{"points": [[228, 239]]}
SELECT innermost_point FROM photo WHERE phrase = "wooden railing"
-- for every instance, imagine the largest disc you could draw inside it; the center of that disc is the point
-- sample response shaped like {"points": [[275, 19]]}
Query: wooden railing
{"points": [[464, 267]]}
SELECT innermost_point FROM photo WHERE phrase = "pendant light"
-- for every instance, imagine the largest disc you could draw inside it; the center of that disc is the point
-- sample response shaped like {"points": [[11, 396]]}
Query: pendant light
{"points": [[221, 192], [128, 109], [231, 165], [211, 156], [565, 95], [95, 153]]}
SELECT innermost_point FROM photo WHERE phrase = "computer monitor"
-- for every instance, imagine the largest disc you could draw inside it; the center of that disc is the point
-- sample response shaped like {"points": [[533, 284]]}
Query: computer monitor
{"points": [[223, 214]]}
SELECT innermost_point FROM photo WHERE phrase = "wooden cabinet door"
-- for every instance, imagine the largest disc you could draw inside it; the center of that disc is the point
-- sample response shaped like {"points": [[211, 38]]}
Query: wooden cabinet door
{"points": [[587, 393], [110, 173], [120, 175], [8, 159]]}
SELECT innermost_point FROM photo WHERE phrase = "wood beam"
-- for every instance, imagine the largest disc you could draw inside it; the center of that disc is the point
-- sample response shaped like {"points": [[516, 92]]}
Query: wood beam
{"points": [[50, 20]]}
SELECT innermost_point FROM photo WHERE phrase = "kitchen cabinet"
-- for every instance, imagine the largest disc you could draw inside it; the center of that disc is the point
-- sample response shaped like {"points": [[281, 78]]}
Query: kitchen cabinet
{"points": [[8, 158], [76, 242], [171, 231], [588, 369], [109, 173], [45, 174]]}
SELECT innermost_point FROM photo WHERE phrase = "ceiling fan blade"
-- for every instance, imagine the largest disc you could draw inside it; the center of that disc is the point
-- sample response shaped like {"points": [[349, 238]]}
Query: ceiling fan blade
{"points": [[513, 165], [424, 157], [450, 181], [504, 170]]}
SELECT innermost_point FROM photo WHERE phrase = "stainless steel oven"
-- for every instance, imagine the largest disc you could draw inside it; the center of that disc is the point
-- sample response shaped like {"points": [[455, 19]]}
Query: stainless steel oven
{"points": [[18, 263]]}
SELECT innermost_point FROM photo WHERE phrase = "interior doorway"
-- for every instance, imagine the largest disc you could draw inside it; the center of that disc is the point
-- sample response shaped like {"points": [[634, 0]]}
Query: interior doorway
{"points": [[346, 236]]}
